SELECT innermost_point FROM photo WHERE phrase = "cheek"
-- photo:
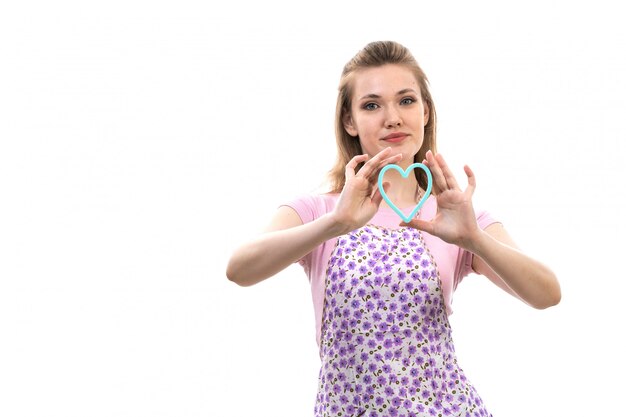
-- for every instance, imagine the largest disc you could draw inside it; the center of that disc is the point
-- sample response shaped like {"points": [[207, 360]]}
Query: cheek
{"points": [[367, 125]]}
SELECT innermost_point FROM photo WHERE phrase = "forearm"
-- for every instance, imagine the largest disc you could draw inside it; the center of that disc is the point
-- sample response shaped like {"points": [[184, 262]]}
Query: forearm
{"points": [[272, 252], [528, 278]]}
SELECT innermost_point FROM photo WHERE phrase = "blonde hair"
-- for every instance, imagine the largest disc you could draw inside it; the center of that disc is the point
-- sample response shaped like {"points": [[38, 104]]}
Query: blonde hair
{"points": [[377, 54]]}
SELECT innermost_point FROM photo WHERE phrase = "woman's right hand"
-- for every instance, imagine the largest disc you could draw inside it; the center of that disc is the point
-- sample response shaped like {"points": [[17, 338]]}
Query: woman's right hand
{"points": [[360, 197], [288, 239]]}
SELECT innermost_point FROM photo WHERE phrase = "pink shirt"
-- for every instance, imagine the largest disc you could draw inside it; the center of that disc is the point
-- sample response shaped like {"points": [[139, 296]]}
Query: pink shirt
{"points": [[452, 262]]}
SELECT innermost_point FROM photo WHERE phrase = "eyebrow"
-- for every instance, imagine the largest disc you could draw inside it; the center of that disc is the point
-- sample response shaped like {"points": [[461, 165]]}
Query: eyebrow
{"points": [[403, 91]]}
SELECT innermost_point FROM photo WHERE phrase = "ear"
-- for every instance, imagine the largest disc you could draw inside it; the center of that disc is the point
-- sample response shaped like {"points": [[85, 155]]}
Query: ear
{"points": [[348, 124], [426, 113]]}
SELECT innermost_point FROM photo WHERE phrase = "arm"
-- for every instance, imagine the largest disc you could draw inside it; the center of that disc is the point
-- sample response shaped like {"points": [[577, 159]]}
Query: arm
{"points": [[497, 256], [287, 239]]}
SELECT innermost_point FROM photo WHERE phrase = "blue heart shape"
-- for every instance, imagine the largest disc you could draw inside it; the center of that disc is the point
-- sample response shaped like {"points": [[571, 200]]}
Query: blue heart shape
{"points": [[405, 174]]}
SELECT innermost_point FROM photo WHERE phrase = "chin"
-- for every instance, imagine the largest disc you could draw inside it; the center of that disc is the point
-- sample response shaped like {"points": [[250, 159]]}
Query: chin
{"points": [[408, 155]]}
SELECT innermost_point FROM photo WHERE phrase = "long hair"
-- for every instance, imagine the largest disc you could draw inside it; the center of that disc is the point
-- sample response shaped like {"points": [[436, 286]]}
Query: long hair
{"points": [[377, 54]]}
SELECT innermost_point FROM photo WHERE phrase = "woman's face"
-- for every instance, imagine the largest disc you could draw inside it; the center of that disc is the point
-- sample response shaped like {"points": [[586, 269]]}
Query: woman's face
{"points": [[387, 111]]}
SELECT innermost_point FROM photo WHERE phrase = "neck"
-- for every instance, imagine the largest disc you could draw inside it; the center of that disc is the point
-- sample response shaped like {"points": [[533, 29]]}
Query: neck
{"points": [[404, 192]]}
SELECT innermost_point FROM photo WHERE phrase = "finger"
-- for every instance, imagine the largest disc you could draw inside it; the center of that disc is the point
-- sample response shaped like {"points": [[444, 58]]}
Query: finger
{"points": [[471, 181], [419, 224], [439, 181], [377, 198], [391, 160], [351, 166], [425, 162], [447, 173], [371, 166], [435, 190]]}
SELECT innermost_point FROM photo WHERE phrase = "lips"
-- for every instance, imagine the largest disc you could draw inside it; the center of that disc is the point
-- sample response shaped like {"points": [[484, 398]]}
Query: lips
{"points": [[395, 137]]}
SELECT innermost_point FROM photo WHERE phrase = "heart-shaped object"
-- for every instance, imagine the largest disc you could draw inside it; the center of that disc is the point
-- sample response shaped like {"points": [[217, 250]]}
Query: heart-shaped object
{"points": [[405, 174]]}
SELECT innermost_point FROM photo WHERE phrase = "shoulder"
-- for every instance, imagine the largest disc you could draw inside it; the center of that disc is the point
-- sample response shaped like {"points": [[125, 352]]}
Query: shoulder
{"points": [[312, 200], [312, 206]]}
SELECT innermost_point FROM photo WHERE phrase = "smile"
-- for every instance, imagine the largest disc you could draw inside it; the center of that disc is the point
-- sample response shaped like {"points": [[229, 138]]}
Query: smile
{"points": [[395, 137]]}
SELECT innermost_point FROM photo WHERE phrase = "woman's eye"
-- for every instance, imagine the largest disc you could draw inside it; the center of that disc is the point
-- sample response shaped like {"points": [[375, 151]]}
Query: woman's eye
{"points": [[408, 100], [370, 106]]}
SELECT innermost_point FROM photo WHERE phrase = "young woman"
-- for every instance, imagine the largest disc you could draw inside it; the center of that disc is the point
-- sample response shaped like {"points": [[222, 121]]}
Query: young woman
{"points": [[382, 287]]}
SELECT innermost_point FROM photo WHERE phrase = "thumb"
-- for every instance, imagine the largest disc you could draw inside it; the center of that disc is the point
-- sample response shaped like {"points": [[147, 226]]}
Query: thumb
{"points": [[378, 197], [419, 224]]}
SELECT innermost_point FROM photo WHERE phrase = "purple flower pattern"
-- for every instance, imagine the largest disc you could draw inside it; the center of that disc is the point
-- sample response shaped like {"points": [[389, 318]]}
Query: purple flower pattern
{"points": [[386, 343]]}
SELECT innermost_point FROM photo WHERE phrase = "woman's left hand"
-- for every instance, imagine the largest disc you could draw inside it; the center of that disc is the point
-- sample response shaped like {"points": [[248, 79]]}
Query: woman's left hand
{"points": [[455, 221]]}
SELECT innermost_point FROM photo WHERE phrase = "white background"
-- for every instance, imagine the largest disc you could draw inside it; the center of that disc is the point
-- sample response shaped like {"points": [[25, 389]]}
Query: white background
{"points": [[141, 142]]}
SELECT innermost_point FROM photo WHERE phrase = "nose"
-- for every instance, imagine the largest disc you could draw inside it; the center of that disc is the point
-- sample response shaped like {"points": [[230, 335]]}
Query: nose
{"points": [[392, 119]]}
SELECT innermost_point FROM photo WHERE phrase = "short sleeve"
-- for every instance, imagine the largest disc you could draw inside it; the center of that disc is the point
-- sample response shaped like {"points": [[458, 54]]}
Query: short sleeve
{"points": [[484, 219], [306, 207]]}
